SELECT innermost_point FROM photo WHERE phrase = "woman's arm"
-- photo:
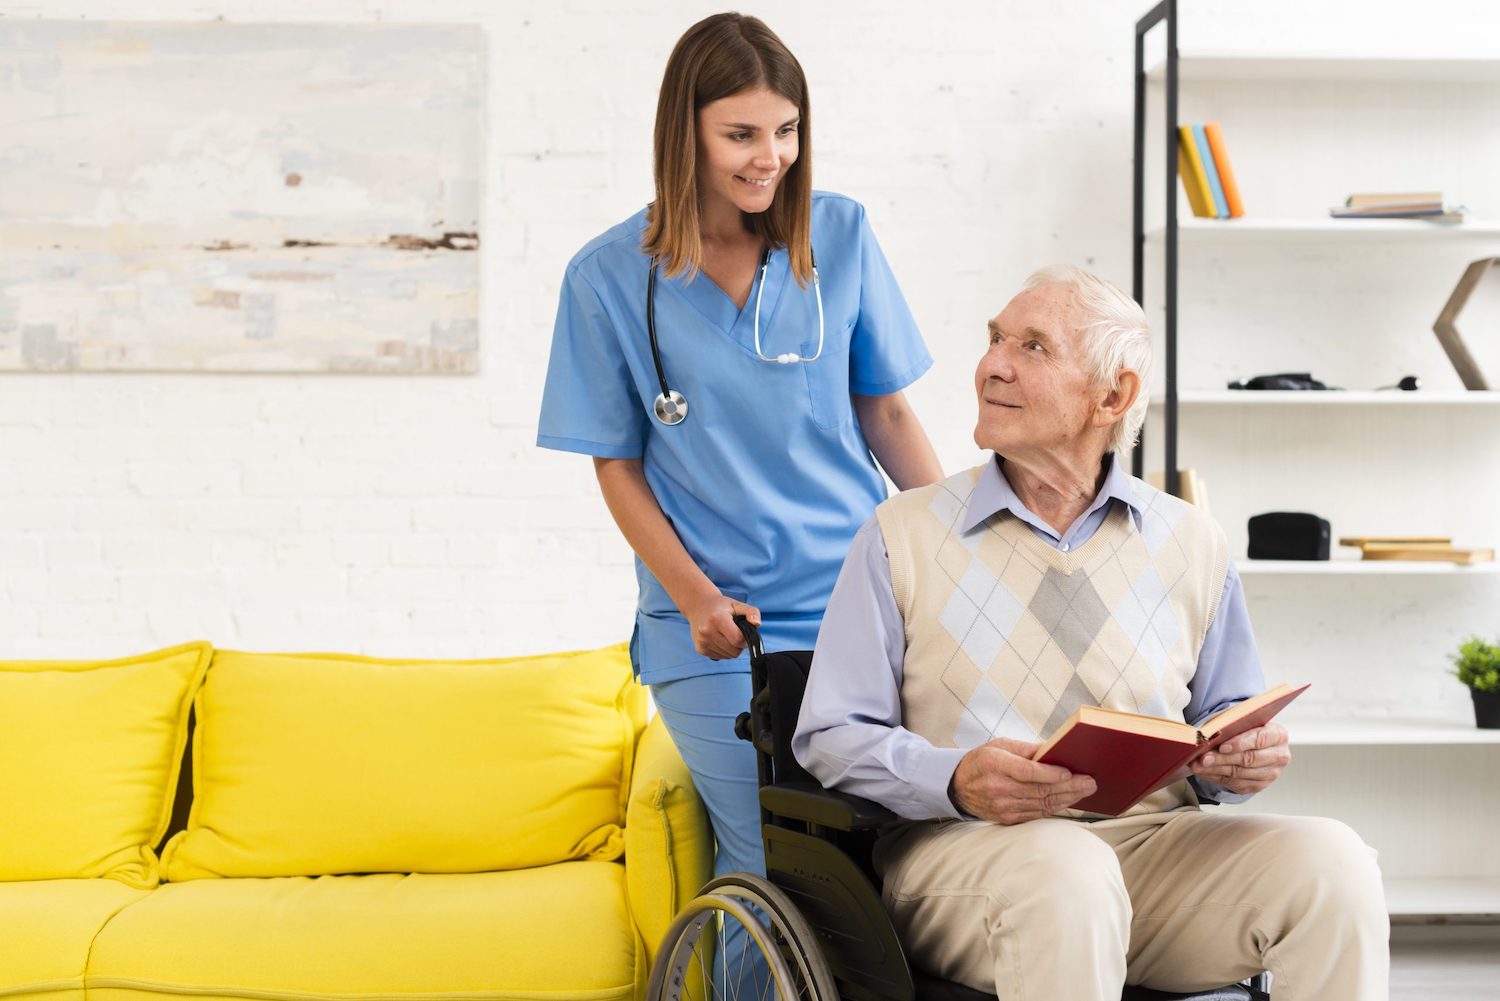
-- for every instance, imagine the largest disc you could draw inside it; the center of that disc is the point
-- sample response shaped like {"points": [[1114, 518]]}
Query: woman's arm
{"points": [[897, 440], [710, 614]]}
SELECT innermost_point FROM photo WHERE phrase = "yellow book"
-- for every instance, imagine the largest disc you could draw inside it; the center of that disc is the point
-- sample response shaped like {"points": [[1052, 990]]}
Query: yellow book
{"points": [[1190, 167]]}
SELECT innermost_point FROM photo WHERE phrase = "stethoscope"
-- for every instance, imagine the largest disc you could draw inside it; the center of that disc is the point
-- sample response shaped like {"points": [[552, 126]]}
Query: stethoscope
{"points": [[670, 406]]}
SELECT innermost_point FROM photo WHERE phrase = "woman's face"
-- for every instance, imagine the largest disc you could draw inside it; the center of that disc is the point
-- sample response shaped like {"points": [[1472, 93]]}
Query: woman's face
{"points": [[746, 144]]}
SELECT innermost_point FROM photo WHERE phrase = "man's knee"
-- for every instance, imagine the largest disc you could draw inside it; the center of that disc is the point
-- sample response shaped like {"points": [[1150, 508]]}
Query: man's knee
{"points": [[1073, 854], [1327, 864], [1064, 868], [986, 904], [1039, 865]]}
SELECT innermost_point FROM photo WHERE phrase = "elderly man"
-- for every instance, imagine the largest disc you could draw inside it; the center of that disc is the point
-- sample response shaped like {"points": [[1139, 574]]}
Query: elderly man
{"points": [[972, 617]]}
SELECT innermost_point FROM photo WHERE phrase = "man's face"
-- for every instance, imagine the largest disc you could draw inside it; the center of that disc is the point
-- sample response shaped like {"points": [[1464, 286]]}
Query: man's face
{"points": [[1035, 397]]}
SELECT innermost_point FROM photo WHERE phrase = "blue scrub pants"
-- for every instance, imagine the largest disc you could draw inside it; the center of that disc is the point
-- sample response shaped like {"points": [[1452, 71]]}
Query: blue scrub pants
{"points": [[699, 713]]}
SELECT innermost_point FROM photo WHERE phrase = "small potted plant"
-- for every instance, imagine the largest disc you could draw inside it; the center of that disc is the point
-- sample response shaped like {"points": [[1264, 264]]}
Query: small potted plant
{"points": [[1477, 664]]}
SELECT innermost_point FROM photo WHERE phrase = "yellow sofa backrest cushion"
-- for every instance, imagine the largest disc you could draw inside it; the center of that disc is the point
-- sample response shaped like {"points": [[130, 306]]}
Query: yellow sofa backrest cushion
{"points": [[314, 764], [89, 755]]}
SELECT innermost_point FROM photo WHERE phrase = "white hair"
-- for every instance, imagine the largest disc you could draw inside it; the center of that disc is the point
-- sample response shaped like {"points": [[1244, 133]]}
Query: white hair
{"points": [[1116, 337]]}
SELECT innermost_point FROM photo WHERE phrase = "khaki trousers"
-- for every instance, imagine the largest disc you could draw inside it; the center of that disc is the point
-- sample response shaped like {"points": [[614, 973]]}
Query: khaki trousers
{"points": [[1180, 901]]}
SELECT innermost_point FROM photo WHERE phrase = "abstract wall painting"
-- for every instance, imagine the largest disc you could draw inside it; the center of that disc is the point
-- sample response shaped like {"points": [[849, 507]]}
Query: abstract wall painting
{"points": [[213, 197]]}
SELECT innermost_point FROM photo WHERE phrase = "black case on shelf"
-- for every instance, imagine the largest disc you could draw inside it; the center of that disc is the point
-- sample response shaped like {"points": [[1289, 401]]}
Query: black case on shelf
{"points": [[1288, 535]]}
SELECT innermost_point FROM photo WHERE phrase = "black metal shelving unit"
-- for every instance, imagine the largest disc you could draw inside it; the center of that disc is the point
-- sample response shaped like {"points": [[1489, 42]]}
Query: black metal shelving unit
{"points": [[1164, 13]]}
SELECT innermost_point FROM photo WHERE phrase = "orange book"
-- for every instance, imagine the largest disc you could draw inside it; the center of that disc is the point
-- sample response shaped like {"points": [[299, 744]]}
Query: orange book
{"points": [[1190, 167], [1226, 176], [1130, 756]]}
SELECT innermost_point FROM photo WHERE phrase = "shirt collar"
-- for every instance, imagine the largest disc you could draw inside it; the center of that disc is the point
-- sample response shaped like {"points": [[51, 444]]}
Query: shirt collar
{"points": [[993, 494]]}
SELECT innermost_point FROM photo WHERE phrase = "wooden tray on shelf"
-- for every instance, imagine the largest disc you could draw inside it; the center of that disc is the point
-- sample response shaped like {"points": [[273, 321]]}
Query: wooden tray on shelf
{"points": [[1415, 547]]}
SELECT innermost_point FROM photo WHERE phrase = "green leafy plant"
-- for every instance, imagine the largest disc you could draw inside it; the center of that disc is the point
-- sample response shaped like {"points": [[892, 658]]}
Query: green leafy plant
{"points": [[1477, 664]]}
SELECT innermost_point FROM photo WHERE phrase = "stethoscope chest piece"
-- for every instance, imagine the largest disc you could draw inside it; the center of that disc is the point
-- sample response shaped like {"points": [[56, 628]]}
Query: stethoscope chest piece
{"points": [[670, 407]]}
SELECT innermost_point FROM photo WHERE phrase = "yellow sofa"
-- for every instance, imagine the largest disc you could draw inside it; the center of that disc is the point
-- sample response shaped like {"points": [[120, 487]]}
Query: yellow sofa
{"points": [[349, 827]]}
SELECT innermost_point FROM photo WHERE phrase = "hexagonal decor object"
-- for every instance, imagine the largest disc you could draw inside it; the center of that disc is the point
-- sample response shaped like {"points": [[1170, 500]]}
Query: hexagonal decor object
{"points": [[1447, 330]]}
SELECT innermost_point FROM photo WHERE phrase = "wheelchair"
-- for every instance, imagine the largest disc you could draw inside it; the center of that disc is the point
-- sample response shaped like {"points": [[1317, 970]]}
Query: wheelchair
{"points": [[817, 922]]}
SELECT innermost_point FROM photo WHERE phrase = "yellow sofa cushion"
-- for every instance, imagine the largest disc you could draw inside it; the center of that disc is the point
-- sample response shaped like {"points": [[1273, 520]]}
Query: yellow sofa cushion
{"points": [[89, 754], [558, 932], [316, 764], [46, 930]]}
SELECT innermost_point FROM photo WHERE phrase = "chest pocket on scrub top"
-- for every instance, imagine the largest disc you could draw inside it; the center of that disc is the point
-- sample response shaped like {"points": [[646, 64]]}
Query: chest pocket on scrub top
{"points": [[828, 383]]}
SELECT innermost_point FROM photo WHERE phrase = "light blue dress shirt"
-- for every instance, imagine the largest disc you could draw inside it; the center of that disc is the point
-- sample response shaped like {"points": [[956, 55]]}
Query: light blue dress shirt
{"points": [[769, 477], [850, 734]]}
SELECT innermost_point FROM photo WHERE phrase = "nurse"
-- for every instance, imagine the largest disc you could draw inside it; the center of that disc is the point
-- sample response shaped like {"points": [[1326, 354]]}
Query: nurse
{"points": [[778, 323]]}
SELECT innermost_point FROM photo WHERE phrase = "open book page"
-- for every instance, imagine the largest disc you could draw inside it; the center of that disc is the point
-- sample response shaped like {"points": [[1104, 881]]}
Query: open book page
{"points": [[1249, 714], [1123, 722]]}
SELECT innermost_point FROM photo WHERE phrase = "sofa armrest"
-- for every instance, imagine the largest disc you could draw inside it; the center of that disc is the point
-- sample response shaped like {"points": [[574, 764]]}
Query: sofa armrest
{"points": [[668, 845]]}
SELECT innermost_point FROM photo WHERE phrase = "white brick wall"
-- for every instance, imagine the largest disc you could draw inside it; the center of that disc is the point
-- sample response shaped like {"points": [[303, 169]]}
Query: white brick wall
{"points": [[403, 515]]}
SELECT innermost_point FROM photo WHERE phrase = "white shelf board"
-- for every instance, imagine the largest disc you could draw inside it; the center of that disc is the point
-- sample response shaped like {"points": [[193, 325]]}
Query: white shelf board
{"points": [[1346, 565], [1316, 227], [1209, 65], [1332, 398], [1412, 896], [1312, 731]]}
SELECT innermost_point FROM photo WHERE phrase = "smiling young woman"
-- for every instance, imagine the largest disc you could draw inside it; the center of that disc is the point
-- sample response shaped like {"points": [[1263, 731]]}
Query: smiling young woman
{"points": [[732, 357], [724, 67]]}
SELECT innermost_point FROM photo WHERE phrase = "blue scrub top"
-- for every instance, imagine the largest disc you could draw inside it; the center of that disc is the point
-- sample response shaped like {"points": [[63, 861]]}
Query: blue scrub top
{"points": [[769, 477]]}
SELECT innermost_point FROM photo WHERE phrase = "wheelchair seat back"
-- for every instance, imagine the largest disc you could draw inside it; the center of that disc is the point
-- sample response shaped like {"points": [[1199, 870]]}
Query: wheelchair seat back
{"points": [[817, 842]]}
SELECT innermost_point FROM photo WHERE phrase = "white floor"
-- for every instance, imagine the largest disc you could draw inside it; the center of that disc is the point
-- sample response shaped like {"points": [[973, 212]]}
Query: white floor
{"points": [[1445, 963]]}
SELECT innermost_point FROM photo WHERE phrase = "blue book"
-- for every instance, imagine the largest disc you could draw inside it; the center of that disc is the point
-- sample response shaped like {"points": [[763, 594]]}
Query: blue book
{"points": [[1200, 138]]}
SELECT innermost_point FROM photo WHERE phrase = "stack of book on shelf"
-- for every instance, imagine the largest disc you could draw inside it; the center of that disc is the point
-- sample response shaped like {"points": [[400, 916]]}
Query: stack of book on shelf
{"points": [[1415, 547], [1203, 164], [1428, 205]]}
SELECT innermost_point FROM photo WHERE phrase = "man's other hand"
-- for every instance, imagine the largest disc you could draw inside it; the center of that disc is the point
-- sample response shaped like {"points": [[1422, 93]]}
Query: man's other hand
{"points": [[998, 781], [1249, 762]]}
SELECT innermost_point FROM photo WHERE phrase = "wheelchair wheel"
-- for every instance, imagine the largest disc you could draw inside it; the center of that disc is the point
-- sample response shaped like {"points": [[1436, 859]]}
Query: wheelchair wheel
{"points": [[774, 929]]}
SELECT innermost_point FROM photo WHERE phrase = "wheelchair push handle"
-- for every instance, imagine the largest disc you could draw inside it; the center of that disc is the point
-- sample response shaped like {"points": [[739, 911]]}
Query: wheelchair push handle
{"points": [[743, 727], [752, 637]]}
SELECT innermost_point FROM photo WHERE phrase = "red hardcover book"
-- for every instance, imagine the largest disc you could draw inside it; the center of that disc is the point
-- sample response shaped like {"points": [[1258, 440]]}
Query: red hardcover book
{"points": [[1130, 756]]}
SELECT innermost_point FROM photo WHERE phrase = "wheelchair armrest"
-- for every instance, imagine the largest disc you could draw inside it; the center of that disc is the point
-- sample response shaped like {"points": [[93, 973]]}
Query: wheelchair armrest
{"points": [[811, 803]]}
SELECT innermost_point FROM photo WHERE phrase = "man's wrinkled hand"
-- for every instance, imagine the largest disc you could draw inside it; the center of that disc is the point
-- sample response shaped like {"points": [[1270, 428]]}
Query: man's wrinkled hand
{"points": [[998, 781], [1249, 762]]}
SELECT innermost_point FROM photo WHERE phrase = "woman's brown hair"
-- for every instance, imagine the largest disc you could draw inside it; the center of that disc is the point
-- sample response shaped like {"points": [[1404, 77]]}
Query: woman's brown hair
{"points": [[716, 58]]}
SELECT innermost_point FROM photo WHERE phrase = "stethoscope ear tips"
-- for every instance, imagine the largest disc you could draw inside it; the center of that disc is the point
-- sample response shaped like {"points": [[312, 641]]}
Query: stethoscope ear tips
{"points": [[788, 359]]}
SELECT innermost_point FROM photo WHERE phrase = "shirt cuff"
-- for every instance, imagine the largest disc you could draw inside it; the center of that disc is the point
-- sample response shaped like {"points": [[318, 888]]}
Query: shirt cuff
{"points": [[1215, 794], [583, 446], [931, 780]]}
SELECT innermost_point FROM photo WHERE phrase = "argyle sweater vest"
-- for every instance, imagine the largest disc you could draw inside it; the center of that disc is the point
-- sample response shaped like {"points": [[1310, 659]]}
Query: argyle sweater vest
{"points": [[1006, 635]]}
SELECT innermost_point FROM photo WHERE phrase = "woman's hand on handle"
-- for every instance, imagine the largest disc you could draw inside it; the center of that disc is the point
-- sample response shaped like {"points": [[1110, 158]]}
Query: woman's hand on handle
{"points": [[710, 614], [711, 620]]}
